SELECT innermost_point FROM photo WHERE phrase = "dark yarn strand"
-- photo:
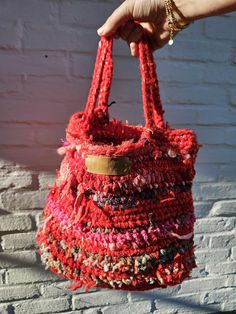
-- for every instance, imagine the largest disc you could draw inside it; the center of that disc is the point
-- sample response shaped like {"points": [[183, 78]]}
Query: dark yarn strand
{"points": [[129, 223]]}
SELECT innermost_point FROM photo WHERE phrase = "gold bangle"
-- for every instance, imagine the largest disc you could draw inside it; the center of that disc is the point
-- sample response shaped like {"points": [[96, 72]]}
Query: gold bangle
{"points": [[173, 24]]}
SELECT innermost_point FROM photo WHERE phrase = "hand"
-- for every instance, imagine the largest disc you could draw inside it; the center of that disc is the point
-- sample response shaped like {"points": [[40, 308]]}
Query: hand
{"points": [[134, 17]]}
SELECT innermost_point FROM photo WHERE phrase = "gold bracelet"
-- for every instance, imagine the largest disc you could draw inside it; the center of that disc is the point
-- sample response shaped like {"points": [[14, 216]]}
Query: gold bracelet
{"points": [[173, 24]]}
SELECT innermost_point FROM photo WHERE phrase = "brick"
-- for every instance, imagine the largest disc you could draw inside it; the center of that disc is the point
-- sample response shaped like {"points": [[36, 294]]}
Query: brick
{"points": [[217, 154], [16, 179], [206, 225], [50, 135], [29, 275], [220, 74], [46, 179], [202, 241], [221, 268], [182, 302], [224, 208], [202, 209], [30, 11], [230, 136], [200, 50], [57, 89], [229, 306], [23, 200], [221, 116], [231, 282], [59, 38], [14, 134], [180, 116], [234, 252], [214, 29], [10, 85], [9, 36], [233, 97], [96, 310], [12, 259], [36, 159], [77, 12], [221, 296], [98, 299], [227, 172], [18, 241], [206, 173], [193, 94], [42, 306], [214, 191], [143, 307], [2, 276], [56, 289], [210, 135], [33, 64], [202, 284], [15, 223], [8, 293], [223, 241], [207, 256], [5, 308]]}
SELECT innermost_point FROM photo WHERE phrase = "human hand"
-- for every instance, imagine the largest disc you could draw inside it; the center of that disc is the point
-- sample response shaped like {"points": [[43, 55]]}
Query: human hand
{"points": [[134, 17]]}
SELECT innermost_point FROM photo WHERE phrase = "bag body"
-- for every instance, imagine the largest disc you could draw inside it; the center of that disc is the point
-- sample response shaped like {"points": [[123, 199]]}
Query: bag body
{"points": [[120, 214]]}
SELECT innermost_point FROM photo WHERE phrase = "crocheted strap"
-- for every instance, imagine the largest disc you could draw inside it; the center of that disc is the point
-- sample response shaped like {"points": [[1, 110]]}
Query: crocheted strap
{"points": [[102, 78]]}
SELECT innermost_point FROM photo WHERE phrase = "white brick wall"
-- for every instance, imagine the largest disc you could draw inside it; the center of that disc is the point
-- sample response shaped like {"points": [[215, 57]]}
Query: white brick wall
{"points": [[47, 50]]}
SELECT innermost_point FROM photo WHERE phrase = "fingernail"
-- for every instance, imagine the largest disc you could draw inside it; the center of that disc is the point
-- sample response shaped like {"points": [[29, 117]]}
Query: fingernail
{"points": [[100, 30]]}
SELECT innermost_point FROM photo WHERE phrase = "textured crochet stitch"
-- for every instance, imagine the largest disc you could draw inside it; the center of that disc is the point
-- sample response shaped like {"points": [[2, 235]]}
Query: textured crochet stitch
{"points": [[132, 231]]}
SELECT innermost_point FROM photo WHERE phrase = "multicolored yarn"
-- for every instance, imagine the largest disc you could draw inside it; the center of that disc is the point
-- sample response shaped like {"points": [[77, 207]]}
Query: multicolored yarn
{"points": [[132, 231]]}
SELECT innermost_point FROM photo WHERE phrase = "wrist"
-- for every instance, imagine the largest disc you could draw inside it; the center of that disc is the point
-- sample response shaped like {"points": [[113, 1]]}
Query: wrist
{"points": [[184, 10]]}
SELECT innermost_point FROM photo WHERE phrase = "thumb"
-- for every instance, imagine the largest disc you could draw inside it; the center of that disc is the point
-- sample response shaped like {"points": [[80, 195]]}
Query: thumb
{"points": [[121, 15]]}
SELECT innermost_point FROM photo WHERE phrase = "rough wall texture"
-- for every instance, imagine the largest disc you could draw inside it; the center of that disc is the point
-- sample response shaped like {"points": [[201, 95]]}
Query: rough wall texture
{"points": [[47, 50]]}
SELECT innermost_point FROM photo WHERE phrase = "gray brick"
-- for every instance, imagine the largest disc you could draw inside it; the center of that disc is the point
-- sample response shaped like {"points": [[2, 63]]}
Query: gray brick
{"points": [[229, 306], [46, 179], [29, 275], [214, 191], [17, 179], [13, 259], [96, 310], [50, 135], [42, 306], [202, 284], [59, 38], [224, 208], [234, 252], [143, 307], [23, 200], [31, 11], [222, 116], [207, 256], [8, 293], [206, 173], [223, 241], [202, 209], [9, 37], [10, 85], [214, 30], [56, 289], [205, 225], [33, 64], [231, 282], [221, 296], [202, 241], [210, 135], [227, 172], [99, 298], [19, 241], [222, 268], [15, 223], [77, 12], [37, 158], [222, 154], [220, 74], [200, 51], [2, 276], [230, 136]]}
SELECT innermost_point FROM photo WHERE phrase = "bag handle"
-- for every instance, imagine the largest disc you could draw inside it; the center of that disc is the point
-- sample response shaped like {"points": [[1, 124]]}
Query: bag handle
{"points": [[102, 78]]}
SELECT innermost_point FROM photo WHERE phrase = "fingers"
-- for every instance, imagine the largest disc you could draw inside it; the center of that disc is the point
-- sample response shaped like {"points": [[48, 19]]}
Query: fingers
{"points": [[121, 15]]}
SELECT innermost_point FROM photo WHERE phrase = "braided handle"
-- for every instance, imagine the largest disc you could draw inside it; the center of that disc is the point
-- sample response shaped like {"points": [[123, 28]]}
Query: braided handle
{"points": [[102, 78]]}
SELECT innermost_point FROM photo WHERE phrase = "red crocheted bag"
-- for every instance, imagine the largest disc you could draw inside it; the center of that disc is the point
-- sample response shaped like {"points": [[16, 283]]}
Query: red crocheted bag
{"points": [[120, 214]]}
